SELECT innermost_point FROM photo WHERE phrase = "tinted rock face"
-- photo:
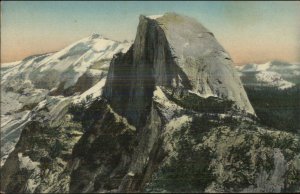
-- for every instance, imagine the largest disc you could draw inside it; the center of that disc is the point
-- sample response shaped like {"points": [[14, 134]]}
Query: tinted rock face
{"points": [[173, 51], [132, 76], [205, 62], [178, 54], [172, 120]]}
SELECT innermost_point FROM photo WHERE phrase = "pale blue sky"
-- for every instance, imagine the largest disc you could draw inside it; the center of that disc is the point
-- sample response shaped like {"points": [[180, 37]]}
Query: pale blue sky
{"points": [[250, 31]]}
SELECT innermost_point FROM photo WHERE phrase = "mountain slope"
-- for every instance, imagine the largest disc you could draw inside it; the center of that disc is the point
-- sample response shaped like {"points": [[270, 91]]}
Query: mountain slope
{"points": [[157, 127], [140, 87], [37, 81]]}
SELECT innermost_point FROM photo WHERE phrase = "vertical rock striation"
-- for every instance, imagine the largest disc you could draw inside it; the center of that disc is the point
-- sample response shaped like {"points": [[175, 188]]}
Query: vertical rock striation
{"points": [[173, 51], [179, 55], [171, 119]]}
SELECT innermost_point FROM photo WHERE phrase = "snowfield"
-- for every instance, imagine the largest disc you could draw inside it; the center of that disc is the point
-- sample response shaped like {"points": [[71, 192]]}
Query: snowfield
{"points": [[26, 84], [274, 74], [273, 79]]}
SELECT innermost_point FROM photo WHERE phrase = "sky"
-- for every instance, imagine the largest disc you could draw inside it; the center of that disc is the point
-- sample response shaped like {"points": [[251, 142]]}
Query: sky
{"points": [[252, 32]]}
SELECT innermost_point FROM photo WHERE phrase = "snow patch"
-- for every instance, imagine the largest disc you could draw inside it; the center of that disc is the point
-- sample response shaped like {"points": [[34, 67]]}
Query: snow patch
{"points": [[102, 45], [95, 72], [153, 17], [10, 64], [206, 95], [94, 92], [167, 107], [34, 180], [26, 162], [273, 79], [121, 119], [177, 123], [41, 104], [130, 173]]}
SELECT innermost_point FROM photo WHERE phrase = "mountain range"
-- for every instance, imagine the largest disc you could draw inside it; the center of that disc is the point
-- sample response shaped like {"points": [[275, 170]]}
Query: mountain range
{"points": [[166, 113], [50, 79], [277, 74]]}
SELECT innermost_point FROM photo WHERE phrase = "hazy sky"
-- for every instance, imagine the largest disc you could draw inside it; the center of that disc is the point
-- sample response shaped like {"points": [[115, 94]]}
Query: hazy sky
{"points": [[249, 31]]}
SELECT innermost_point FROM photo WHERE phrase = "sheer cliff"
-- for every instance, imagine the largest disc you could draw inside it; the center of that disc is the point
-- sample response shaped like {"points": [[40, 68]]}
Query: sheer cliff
{"points": [[170, 115], [176, 52]]}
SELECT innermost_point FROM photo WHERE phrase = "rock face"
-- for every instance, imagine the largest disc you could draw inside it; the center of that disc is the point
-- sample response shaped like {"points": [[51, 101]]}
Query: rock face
{"points": [[175, 74], [177, 52], [173, 117]]}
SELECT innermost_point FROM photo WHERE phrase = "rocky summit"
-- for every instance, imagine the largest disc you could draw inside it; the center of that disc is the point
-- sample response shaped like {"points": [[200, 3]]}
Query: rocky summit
{"points": [[176, 52], [165, 114]]}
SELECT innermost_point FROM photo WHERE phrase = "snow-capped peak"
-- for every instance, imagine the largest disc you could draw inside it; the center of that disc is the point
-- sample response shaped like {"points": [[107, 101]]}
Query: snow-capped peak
{"points": [[43, 79], [69, 63], [273, 79], [274, 73]]}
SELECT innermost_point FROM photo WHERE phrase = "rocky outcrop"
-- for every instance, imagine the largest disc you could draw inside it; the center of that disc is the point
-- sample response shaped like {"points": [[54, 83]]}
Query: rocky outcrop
{"points": [[174, 51], [187, 67], [173, 117], [176, 76]]}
